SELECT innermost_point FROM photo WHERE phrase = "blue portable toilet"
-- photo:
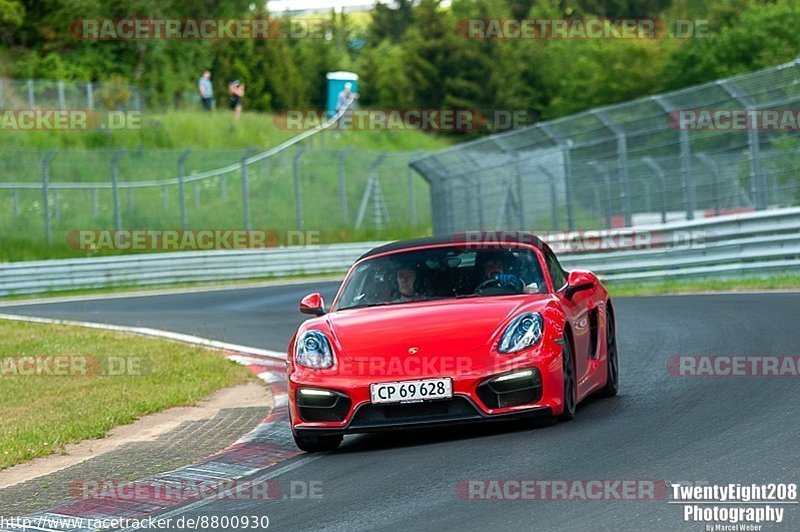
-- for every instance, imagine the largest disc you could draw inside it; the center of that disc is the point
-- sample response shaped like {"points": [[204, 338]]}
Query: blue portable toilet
{"points": [[336, 81]]}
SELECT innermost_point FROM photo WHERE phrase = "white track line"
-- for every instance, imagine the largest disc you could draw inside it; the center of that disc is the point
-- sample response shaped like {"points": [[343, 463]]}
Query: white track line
{"points": [[150, 292], [158, 333]]}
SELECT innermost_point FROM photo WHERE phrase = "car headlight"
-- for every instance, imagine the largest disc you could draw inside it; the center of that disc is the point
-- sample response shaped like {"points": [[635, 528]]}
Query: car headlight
{"points": [[313, 350], [524, 331]]}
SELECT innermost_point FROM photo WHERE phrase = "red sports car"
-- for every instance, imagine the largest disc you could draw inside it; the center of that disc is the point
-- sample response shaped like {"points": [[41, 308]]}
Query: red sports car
{"points": [[444, 330]]}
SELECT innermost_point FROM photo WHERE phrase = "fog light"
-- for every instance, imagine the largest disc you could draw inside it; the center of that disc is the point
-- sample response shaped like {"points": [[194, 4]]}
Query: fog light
{"points": [[512, 389], [312, 392], [315, 404], [517, 375]]}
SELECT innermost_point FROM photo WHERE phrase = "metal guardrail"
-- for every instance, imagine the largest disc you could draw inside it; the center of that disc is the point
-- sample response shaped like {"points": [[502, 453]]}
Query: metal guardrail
{"points": [[761, 243]]}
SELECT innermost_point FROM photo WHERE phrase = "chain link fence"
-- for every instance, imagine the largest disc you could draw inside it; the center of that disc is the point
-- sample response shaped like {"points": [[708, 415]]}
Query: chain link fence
{"points": [[639, 162], [341, 193], [49, 94]]}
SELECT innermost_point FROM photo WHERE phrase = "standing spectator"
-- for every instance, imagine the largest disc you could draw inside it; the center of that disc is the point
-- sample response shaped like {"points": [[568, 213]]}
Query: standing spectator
{"points": [[345, 103], [236, 91], [206, 90]]}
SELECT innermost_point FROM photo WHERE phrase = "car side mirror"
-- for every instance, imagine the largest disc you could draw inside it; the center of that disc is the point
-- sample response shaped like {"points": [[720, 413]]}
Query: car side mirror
{"points": [[578, 281], [313, 304]]}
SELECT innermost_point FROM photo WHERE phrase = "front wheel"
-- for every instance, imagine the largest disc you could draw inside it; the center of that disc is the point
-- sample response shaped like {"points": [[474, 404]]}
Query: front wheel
{"points": [[612, 360], [568, 372], [317, 444]]}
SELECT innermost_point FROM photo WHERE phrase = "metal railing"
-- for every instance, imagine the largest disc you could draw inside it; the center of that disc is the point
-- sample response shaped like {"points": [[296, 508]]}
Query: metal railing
{"points": [[636, 162], [731, 245]]}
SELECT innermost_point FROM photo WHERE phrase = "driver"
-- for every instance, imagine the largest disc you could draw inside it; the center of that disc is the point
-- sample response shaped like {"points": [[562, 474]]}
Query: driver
{"points": [[409, 280], [493, 265]]}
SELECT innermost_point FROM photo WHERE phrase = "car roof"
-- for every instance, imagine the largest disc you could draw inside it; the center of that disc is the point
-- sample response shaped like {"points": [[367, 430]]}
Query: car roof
{"points": [[472, 238]]}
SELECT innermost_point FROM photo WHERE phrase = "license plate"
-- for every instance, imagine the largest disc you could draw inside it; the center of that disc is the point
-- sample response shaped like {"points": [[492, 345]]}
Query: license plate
{"points": [[400, 392]]}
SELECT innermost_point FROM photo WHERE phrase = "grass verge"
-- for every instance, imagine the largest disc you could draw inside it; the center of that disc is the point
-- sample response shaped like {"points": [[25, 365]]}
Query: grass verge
{"points": [[670, 286], [41, 414]]}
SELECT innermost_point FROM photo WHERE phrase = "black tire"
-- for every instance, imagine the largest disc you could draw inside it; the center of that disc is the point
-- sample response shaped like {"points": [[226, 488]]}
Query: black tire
{"points": [[570, 390], [612, 367], [317, 444]]}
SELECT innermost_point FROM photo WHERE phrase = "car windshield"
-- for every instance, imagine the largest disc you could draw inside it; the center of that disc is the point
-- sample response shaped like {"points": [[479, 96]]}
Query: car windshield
{"points": [[442, 273]]}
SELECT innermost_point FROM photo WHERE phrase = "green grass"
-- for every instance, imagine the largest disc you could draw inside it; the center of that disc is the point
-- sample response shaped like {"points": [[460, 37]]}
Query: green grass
{"points": [[42, 414], [671, 286], [198, 130]]}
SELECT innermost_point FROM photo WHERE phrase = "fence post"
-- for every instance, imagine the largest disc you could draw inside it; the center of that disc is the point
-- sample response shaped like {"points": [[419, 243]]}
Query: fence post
{"points": [[181, 189], [298, 196], [712, 165], [596, 189], [568, 183], [246, 191], [115, 188], [686, 159], [688, 178], [342, 184], [90, 96], [649, 161], [607, 182], [622, 157], [62, 103], [476, 182], [378, 201], [46, 193], [412, 195], [553, 202], [372, 190], [137, 99], [565, 144], [31, 98], [648, 205], [756, 172], [518, 181]]}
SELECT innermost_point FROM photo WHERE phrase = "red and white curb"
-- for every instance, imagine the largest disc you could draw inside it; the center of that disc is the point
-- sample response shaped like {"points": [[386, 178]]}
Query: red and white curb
{"points": [[268, 444]]}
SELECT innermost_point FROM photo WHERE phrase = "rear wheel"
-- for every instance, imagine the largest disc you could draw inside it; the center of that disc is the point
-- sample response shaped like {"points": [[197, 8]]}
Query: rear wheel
{"points": [[612, 380], [568, 372], [317, 444]]}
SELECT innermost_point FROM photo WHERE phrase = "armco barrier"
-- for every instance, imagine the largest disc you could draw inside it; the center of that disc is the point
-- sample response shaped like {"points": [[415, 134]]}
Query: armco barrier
{"points": [[761, 243]]}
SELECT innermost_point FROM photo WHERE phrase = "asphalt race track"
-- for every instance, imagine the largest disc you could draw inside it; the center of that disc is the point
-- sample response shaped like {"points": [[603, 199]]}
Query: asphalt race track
{"points": [[715, 430]]}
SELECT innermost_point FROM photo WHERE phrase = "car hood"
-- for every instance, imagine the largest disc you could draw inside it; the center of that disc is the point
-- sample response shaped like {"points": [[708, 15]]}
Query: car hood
{"points": [[446, 327]]}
